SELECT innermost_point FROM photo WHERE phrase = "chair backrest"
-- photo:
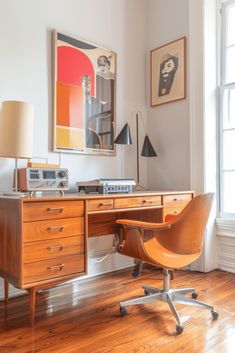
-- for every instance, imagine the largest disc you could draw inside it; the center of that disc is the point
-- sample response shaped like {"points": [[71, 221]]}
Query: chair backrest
{"points": [[187, 231]]}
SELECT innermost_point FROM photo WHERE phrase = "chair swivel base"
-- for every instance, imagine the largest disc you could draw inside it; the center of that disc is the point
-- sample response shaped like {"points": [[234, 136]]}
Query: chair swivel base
{"points": [[169, 296]]}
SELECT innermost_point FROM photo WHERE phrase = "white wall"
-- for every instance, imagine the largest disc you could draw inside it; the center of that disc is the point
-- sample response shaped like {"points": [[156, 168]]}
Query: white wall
{"points": [[185, 130], [26, 74], [168, 124], [26, 67]]}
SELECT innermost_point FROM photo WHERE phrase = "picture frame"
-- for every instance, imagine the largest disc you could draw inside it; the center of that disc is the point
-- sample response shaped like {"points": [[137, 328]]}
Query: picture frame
{"points": [[84, 96], [168, 72]]}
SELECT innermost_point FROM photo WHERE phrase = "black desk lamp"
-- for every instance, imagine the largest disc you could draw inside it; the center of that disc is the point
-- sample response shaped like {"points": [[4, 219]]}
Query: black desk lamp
{"points": [[124, 138]]}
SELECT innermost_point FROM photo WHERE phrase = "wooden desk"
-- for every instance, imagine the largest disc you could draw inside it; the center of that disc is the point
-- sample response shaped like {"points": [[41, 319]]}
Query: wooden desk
{"points": [[43, 241]]}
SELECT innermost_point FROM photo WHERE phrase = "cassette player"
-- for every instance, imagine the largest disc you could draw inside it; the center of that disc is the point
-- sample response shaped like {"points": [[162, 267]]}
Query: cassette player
{"points": [[106, 186], [43, 179]]}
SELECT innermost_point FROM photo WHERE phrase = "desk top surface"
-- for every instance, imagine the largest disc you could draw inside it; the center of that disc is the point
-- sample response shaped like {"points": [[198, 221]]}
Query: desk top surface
{"points": [[80, 196]]}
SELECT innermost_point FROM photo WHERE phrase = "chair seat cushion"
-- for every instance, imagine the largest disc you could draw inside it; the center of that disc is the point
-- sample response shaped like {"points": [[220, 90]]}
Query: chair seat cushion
{"points": [[161, 256]]}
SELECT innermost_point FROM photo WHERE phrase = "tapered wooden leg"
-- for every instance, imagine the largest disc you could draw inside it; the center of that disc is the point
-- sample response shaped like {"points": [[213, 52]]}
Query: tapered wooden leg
{"points": [[32, 301], [6, 291]]}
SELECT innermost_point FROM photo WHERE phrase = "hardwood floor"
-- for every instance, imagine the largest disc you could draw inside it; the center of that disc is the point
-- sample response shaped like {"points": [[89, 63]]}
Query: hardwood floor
{"points": [[84, 317]]}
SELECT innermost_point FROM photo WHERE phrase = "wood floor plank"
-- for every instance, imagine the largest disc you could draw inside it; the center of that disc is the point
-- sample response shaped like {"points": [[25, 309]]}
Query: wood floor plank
{"points": [[84, 317]]}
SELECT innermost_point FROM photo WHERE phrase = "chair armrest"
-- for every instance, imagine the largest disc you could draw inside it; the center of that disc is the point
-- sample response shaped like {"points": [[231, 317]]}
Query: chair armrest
{"points": [[144, 225]]}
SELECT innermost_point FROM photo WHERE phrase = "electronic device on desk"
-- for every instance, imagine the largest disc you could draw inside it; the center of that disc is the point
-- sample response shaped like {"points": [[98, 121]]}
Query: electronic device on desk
{"points": [[43, 179], [106, 186]]}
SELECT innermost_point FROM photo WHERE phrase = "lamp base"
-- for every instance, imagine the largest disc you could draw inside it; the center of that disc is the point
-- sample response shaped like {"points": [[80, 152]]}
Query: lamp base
{"points": [[139, 187], [15, 194]]}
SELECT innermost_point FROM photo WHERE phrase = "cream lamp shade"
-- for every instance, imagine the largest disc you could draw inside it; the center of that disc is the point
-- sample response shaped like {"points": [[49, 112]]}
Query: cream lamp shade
{"points": [[16, 130]]}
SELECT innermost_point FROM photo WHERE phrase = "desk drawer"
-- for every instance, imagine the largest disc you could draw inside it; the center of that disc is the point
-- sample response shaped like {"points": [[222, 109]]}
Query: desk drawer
{"points": [[174, 204], [49, 269], [100, 204], [52, 229], [129, 202], [171, 211], [36, 211], [177, 201], [49, 249]]}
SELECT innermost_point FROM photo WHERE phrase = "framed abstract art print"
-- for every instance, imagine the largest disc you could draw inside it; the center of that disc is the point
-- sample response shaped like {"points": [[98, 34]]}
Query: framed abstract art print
{"points": [[168, 72], [84, 97]]}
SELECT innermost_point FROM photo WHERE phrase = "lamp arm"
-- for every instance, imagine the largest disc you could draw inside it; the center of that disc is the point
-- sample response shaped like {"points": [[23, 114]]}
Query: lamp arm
{"points": [[142, 120], [140, 115]]}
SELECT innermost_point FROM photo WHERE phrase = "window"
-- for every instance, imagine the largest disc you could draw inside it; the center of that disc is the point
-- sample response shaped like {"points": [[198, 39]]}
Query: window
{"points": [[227, 109]]}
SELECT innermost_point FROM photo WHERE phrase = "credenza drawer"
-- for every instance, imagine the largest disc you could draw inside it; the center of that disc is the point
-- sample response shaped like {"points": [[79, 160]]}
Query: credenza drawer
{"points": [[137, 202], [52, 229], [49, 249], [35, 211], [100, 204], [49, 269]]}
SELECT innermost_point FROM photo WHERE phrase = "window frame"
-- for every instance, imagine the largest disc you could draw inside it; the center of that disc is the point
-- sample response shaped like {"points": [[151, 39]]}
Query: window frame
{"points": [[223, 86]]}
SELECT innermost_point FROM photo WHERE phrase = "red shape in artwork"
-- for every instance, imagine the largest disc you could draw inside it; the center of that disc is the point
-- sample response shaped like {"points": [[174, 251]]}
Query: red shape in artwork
{"points": [[72, 64]]}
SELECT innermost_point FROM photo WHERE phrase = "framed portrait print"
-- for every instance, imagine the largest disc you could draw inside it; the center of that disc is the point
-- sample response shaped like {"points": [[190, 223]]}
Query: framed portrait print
{"points": [[84, 97], [168, 72]]}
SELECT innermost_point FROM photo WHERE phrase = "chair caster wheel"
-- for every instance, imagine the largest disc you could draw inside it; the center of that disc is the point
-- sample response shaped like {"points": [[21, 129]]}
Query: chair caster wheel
{"points": [[136, 274], [123, 311], [215, 314], [179, 329], [194, 295], [146, 292]]}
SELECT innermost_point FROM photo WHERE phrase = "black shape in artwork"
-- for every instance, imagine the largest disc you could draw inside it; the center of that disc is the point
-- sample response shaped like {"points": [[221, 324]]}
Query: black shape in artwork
{"points": [[168, 69], [74, 42]]}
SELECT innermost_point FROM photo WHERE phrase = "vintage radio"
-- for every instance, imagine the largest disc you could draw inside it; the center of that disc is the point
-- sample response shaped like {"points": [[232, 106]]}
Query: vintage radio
{"points": [[43, 179]]}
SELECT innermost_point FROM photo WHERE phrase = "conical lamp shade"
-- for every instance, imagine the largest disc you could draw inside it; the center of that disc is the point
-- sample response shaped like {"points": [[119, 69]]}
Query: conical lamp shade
{"points": [[124, 137], [148, 150]]}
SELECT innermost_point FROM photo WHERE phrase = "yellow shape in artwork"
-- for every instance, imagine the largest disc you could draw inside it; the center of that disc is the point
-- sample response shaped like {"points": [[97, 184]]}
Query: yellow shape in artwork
{"points": [[69, 138]]}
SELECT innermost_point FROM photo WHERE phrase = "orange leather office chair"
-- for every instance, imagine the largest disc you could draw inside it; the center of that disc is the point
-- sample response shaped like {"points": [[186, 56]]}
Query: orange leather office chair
{"points": [[169, 245]]}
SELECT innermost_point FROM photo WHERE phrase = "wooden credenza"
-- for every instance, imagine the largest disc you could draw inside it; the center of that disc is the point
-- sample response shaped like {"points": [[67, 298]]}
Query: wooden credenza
{"points": [[43, 241]]}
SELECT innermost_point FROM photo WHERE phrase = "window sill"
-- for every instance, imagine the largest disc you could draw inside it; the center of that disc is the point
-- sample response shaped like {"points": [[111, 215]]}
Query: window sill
{"points": [[225, 227]]}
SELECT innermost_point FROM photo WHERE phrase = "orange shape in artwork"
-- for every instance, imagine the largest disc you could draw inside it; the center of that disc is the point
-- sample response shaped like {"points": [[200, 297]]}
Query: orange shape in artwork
{"points": [[69, 105]]}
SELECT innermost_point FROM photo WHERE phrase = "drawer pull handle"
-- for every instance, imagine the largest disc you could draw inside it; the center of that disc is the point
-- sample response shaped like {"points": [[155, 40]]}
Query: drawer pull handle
{"points": [[175, 199], [57, 247], [147, 201], [56, 268], [55, 209], [60, 228], [105, 204]]}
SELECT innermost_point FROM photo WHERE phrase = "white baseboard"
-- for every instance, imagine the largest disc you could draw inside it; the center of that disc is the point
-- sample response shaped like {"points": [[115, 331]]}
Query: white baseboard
{"points": [[226, 245], [226, 258]]}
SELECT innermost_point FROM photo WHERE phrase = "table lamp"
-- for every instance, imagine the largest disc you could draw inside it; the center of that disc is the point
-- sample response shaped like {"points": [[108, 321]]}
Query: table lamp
{"points": [[124, 138], [16, 134]]}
